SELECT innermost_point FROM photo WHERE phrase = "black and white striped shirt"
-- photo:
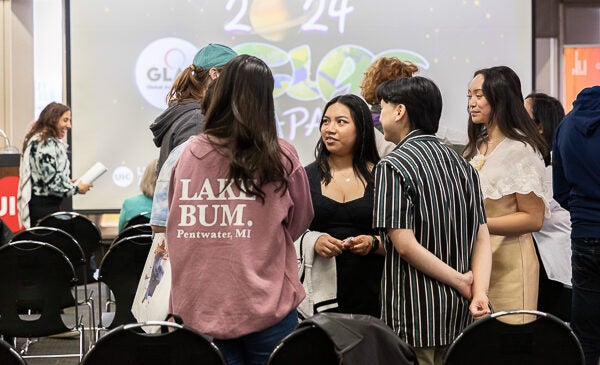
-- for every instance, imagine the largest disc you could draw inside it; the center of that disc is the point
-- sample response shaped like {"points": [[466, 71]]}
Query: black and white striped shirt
{"points": [[425, 186]]}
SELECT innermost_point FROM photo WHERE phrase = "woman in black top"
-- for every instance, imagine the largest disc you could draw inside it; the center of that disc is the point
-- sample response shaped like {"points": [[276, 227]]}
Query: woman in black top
{"points": [[341, 183]]}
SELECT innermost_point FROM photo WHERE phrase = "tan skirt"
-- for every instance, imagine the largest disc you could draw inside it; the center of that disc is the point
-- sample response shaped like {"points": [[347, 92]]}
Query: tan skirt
{"points": [[515, 267]]}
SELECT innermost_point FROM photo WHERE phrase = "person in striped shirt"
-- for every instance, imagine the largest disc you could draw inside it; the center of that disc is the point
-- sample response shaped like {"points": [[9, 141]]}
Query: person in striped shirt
{"points": [[429, 208]]}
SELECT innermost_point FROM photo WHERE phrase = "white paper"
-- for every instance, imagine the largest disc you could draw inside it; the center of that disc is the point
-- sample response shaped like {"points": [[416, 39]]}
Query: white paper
{"points": [[94, 172]]}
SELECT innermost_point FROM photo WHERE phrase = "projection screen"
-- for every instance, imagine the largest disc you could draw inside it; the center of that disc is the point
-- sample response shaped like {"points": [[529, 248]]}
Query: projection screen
{"points": [[124, 55]]}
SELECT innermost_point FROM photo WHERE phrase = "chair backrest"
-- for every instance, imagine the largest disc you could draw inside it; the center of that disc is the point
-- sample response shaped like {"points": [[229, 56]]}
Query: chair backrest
{"points": [[10, 356], [61, 240], [545, 340], [120, 270], [127, 345], [134, 230], [33, 276], [141, 218], [305, 345], [85, 232]]}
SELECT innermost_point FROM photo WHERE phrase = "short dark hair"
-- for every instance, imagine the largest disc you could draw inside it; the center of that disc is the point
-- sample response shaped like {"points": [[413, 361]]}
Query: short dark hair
{"points": [[421, 97]]}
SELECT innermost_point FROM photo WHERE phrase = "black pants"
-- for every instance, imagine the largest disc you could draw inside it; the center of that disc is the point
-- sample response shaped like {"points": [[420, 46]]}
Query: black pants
{"points": [[41, 206]]}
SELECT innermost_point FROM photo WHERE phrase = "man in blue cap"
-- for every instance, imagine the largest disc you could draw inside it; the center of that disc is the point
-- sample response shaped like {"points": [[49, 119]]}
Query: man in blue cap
{"points": [[576, 175]]}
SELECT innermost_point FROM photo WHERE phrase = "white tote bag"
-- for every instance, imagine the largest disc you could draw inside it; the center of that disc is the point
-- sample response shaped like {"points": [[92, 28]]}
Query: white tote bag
{"points": [[151, 301]]}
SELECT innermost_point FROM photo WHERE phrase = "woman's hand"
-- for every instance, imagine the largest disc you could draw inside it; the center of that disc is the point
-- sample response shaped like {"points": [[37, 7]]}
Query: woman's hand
{"points": [[328, 247], [359, 245], [479, 306], [83, 187]]}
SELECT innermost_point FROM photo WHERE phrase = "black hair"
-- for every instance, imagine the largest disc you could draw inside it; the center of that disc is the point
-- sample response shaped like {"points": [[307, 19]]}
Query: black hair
{"points": [[365, 150], [242, 114], [501, 88], [547, 113], [421, 97]]}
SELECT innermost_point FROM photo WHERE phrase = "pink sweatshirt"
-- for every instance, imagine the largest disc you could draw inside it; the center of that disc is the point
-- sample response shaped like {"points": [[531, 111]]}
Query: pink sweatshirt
{"points": [[234, 267]]}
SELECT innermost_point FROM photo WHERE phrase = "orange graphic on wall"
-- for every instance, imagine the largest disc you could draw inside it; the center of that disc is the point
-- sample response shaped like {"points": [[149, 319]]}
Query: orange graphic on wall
{"points": [[582, 69]]}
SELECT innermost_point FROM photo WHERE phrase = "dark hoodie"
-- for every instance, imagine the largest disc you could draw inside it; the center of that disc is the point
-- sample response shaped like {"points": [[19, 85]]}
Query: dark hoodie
{"points": [[175, 125], [576, 164]]}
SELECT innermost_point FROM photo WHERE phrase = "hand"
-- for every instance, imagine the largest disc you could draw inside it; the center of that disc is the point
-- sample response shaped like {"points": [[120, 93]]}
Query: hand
{"points": [[466, 281], [359, 245], [83, 187], [328, 247], [479, 306]]}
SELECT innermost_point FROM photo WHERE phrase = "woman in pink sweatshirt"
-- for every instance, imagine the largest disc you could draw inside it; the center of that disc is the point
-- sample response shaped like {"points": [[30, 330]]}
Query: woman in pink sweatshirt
{"points": [[238, 198]]}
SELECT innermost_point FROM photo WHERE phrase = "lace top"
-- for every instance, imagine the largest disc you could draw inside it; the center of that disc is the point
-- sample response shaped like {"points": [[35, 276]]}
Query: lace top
{"points": [[513, 167]]}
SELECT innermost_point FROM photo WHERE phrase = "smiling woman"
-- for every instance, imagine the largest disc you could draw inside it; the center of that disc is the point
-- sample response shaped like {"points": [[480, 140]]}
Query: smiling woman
{"points": [[45, 168]]}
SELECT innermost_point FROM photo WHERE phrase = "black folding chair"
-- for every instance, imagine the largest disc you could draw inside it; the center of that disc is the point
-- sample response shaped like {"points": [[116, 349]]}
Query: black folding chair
{"points": [[306, 345], [35, 277], [120, 271], [142, 218], [71, 248], [545, 340], [174, 345], [336, 338], [134, 230], [85, 232], [10, 356]]}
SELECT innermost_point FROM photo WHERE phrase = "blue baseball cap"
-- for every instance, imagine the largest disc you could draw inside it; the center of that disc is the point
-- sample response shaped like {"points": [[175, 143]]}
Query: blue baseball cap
{"points": [[213, 55]]}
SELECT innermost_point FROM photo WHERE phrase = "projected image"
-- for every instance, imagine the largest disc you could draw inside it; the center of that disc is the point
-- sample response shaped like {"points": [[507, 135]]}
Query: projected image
{"points": [[317, 49]]}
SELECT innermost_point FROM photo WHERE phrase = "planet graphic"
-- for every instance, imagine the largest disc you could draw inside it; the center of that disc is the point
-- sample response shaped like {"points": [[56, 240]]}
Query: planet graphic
{"points": [[275, 19]]}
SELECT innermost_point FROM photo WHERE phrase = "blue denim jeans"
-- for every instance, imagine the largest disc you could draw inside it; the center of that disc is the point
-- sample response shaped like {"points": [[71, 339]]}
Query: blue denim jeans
{"points": [[585, 304], [255, 348]]}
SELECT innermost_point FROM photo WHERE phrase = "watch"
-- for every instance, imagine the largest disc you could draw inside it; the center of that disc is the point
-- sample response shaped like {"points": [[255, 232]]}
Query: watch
{"points": [[374, 244]]}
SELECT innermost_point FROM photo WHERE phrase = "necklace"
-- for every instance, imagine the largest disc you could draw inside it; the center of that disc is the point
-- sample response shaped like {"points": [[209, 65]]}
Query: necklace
{"points": [[346, 179]]}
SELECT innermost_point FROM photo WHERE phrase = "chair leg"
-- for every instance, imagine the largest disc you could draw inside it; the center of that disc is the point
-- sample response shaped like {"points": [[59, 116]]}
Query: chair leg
{"points": [[25, 347], [90, 303], [81, 340]]}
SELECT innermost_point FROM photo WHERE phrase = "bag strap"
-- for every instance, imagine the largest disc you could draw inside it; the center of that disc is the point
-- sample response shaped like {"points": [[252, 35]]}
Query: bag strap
{"points": [[177, 319]]}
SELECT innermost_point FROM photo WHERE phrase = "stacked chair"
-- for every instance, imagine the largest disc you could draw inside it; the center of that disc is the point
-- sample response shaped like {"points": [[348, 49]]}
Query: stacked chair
{"points": [[71, 248], [134, 230], [142, 218], [36, 280], [120, 271]]}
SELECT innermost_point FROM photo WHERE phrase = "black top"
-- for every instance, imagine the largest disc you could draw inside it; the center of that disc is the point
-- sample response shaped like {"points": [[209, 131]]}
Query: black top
{"points": [[358, 277]]}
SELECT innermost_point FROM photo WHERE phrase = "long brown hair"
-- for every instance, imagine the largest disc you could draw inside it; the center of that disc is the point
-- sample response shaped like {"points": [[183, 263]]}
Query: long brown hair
{"points": [[242, 113], [191, 83], [502, 90], [47, 123]]}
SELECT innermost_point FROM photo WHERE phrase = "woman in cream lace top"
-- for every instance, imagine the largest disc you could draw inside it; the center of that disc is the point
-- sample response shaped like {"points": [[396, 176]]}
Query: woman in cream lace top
{"points": [[506, 148]]}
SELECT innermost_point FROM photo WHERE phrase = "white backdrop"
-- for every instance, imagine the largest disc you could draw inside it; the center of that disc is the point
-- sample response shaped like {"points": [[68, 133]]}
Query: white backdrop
{"points": [[125, 55]]}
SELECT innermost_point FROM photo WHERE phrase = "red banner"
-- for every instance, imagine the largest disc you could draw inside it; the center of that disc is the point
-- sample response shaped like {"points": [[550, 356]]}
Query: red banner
{"points": [[9, 186]]}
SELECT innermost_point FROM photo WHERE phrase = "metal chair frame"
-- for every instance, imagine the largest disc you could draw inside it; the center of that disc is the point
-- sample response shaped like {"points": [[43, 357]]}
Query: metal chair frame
{"points": [[36, 277]]}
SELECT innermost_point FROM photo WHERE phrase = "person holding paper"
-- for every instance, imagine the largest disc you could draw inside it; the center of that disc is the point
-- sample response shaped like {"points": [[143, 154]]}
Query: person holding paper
{"points": [[45, 168]]}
